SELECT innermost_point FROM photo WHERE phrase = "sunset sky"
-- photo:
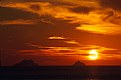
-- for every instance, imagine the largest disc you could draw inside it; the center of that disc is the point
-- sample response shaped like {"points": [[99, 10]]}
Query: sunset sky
{"points": [[60, 32]]}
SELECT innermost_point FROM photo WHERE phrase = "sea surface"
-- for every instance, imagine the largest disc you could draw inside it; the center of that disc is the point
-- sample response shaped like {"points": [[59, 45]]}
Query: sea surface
{"points": [[61, 73]]}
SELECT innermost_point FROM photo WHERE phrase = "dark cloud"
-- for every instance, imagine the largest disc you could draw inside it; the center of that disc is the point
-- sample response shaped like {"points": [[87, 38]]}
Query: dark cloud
{"points": [[7, 13], [35, 7], [65, 51], [14, 36], [109, 15], [81, 9], [77, 54], [56, 3], [115, 4]]}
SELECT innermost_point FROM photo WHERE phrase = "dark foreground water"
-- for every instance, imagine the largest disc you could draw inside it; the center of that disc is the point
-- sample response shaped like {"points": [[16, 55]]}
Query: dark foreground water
{"points": [[61, 73]]}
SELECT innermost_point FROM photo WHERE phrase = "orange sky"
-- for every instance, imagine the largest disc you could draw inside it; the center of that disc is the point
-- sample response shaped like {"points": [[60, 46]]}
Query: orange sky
{"points": [[60, 32]]}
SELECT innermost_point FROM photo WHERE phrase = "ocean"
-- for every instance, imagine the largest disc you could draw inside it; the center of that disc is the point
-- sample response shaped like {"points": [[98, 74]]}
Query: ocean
{"points": [[61, 73]]}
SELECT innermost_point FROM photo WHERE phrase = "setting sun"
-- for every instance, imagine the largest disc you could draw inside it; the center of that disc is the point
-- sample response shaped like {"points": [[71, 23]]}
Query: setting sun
{"points": [[93, 54]]}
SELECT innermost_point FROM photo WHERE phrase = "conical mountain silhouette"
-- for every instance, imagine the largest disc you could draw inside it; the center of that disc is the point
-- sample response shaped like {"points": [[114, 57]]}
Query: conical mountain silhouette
{"points": [[26, 63], [78, 63]]}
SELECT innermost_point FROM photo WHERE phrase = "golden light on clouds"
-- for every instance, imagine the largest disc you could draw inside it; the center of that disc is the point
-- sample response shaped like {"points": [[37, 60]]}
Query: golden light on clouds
{"points": [[56, 37], [72, 42], [101, 28], [94, 19]]}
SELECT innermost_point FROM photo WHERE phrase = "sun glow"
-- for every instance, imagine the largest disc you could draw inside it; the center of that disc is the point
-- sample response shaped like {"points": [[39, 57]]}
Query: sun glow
{"points": [[93, 54]]}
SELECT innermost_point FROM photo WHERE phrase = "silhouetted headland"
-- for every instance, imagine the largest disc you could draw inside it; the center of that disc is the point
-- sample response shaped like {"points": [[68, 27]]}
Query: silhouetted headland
{"points": [[79, 64], [26, 63]]}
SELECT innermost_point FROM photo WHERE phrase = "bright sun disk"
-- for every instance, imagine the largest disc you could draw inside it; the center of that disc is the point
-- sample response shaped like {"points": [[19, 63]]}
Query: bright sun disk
{"points": [[93, 54]]}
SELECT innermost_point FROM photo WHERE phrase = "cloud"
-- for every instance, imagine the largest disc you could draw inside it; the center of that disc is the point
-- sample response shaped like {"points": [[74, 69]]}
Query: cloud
{"points": [[65, 40], [19, 22], [72, 42], [35, 7], [65, 51], [94, 18], [47, 21], [62, 16], [99, 48], [56, 37], [15, 13], [115, 4], [81, 52], [112, 16], [81, 9], [109, 13], [104, 28]]}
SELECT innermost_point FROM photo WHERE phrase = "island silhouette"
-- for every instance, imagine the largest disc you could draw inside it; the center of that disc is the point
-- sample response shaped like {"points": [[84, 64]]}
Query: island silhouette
{"points": [[26, 62], [78, 63], [30, 62]]}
